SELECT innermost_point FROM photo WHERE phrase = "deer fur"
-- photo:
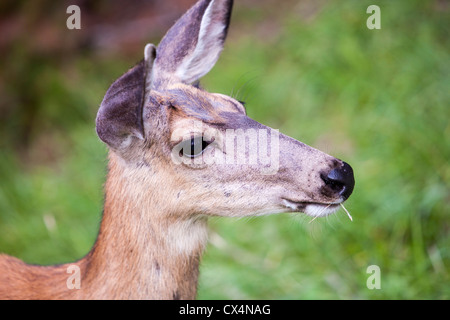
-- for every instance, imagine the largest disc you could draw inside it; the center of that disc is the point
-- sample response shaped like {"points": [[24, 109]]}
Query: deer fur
{"points": [[154, 224]]}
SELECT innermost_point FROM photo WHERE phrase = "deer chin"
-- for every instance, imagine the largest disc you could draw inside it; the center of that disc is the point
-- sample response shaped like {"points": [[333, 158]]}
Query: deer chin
{"points": [[312, 209]]}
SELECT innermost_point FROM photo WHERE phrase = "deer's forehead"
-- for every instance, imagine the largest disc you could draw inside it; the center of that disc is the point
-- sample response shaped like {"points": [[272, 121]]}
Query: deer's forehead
{"points": [[195, 102]]}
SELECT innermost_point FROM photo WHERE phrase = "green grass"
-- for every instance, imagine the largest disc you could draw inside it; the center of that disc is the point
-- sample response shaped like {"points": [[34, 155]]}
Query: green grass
{"points": [[378, 99]]}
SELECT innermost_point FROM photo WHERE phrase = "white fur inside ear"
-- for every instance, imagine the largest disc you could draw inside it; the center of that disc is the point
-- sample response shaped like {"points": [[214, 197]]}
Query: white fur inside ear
{"points": [[209, 45]]}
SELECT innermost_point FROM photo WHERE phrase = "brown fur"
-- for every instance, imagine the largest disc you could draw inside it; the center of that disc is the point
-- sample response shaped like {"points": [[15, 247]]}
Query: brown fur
{"points": [[133, 257]]}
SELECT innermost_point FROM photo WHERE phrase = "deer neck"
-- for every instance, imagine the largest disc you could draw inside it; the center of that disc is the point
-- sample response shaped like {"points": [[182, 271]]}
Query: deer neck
{"points": [[144, 249]]}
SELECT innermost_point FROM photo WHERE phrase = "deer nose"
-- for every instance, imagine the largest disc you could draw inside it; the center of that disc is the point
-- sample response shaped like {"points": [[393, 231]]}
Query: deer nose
{"points": [[341, 180]]}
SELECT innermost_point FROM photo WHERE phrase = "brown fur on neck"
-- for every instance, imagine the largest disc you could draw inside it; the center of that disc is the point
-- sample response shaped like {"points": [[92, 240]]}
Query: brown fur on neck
{"points": [[148, 254]]}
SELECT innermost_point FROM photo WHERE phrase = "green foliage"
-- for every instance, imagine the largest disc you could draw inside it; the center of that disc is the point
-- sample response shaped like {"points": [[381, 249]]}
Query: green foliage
{"points": [[378, 99]]}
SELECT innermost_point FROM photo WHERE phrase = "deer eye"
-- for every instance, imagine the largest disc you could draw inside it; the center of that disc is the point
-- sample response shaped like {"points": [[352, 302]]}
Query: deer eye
{"points": [[193, 147]]}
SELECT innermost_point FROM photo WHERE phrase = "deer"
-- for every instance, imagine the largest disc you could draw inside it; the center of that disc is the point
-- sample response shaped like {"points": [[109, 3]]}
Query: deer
{"points": [[171, 166]]}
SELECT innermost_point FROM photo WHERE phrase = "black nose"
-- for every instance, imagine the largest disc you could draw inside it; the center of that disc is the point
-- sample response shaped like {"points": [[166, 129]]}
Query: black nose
{"points": [[341, 180]]}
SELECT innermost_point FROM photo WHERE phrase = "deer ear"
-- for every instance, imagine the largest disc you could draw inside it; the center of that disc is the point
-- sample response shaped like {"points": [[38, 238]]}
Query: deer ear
{"points": [[119, 118], [192, 46]]}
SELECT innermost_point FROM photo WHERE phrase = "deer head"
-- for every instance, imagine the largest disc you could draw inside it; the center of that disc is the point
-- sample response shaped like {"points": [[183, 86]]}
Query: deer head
{"points": [[198, 153], [179, 154]]}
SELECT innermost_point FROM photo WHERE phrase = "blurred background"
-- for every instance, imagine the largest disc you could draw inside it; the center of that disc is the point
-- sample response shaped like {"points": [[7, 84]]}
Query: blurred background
{"points": [[378, 99]]}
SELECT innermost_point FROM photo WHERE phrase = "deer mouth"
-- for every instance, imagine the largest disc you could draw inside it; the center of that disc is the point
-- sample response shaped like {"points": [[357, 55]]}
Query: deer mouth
{"points": [[313, 209]]}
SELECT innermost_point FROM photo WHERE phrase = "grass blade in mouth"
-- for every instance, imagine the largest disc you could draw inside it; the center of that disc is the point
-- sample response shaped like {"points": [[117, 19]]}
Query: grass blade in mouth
{"points": [[348, 213]]}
